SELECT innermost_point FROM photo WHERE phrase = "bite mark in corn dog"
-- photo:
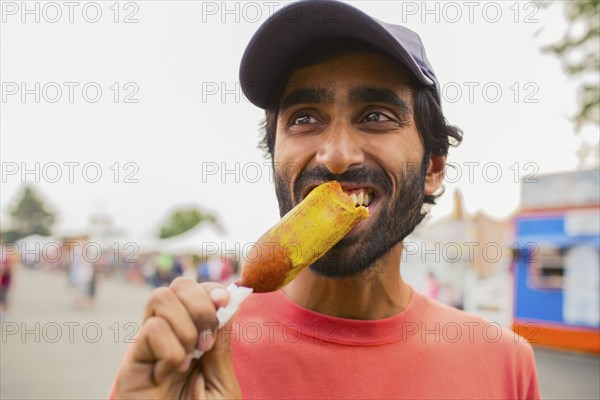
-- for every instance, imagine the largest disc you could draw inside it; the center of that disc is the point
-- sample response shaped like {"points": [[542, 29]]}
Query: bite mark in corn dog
{"points": [[302, 236]]}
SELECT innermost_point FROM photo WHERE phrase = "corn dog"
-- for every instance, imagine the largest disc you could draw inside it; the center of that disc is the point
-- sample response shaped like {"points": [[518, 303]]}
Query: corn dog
{"points": [[301, 237]]}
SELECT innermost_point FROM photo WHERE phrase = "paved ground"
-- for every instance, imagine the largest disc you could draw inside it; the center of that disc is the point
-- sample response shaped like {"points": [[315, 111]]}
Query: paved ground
{"points": [[51, 349], [58, 350]]}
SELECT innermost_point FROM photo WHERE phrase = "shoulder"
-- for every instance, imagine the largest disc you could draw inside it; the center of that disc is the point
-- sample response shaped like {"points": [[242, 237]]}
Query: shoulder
{"points": [[477, 343], [478, 333]]}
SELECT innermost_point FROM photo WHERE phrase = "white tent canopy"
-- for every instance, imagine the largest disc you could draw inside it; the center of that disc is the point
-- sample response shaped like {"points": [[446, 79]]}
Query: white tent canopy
{"points": [[202, 239], [35, 241], [128, 243], [35, 248]]}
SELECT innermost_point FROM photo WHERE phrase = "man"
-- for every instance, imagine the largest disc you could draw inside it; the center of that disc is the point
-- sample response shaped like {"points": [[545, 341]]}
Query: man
{"points": [[352, 99]]}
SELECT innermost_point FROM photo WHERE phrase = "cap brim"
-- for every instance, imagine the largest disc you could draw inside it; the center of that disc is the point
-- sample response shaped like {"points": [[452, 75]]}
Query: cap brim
{"points": [[300, 24]]}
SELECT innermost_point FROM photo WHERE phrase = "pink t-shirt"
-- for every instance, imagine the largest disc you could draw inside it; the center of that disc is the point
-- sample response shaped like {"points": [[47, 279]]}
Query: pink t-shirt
{"points": [[429, 351]]}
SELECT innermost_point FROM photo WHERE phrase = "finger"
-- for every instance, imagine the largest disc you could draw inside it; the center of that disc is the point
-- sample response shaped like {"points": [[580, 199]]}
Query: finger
{"points": [[217, 292], [200, 301], [220, 297], [164, 303], [159, 345]]}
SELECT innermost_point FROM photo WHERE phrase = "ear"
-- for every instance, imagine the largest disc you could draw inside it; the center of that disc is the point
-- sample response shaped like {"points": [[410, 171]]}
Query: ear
{"points": [[436, 169]]}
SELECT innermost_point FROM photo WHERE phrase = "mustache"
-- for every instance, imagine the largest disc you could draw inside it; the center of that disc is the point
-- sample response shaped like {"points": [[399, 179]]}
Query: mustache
{"points": [[361, 176]]}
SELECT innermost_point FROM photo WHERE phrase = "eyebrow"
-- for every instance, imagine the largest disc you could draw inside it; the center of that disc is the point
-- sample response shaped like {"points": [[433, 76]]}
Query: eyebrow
{"points": [[307, 96], [368, 94], [357, 94]]}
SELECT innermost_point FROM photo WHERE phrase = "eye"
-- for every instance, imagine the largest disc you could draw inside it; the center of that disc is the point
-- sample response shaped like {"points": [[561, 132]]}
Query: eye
{"points": [[303, 119], [375, 116], [377, 120]]}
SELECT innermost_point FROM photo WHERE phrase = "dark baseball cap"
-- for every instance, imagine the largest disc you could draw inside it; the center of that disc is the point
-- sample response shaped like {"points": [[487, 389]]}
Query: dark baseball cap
{"points": [[300, 24]]}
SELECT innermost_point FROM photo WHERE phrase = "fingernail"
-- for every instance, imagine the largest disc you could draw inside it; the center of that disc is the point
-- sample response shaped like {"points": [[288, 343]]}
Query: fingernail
{"points": [[205, 340], [186, 363], [218, 294]]}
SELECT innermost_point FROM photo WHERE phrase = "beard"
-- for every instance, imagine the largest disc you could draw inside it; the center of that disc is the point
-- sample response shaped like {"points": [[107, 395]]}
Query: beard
{"points": [[397, 216]]}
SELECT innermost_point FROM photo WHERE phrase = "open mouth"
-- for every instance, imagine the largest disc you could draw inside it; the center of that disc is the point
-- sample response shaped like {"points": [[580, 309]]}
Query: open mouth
{"points": [[361, 196]]}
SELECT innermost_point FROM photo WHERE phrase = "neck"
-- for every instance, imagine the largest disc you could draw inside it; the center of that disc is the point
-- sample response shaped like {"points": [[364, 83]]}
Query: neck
{"points": [[376, 294]]}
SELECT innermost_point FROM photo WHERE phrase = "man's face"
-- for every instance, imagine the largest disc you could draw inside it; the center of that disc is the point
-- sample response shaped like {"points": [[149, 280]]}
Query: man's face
{"points": [[351, 119]]}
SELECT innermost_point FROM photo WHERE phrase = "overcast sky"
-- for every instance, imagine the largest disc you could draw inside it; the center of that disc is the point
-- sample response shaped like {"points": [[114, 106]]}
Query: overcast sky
{"points": [[180, 119]]}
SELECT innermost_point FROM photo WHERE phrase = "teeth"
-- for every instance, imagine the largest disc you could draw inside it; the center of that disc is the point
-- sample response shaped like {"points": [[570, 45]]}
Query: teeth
{"points": [[361, 198]]}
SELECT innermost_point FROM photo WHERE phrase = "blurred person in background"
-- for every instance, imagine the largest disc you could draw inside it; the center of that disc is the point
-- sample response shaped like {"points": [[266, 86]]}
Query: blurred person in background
{"points": [[177, 269], [164, 270], [227, 271], [149, 267], [189, 268], [6, 274], [82, 273], [215, 266], [432, 287], [351, 99], [203, 271]]}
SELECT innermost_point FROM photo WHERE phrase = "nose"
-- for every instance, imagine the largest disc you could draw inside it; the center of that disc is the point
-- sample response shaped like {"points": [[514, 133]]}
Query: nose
{"points": [[340, 148]]}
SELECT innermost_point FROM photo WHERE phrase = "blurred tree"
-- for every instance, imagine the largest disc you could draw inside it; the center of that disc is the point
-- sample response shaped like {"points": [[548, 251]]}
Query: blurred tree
{"points": [[579, 51], [185, 219], [30, 216]]}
